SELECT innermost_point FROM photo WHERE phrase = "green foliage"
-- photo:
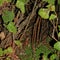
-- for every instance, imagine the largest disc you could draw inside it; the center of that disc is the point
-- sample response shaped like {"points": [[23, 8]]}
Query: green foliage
{"points": [[8, 50], [28, 54], [59, 34], [50, 1], [1, 52], [57, 45], [28, 51], [7, 16], [42, 49], [21, 5], [45, 57], [53, 56], [11, 27], [52, 17], [59, 27], [44, 13]]}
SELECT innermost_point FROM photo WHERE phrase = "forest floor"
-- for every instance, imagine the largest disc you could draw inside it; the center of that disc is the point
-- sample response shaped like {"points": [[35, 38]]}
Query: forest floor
{"points": [[32, 31]]}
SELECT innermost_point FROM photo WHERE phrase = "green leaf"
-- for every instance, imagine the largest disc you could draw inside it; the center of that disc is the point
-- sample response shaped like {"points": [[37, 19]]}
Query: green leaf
{"points": [[57, 45], [59, 34], [7, 16], [8, 50], [5, 51], [52, 57], [21, 6], [45, 57], [28, 51], [52, 17], [50, 1], [1, 52], [18, 43], [42, 49], [11, 27], [44, 13]]}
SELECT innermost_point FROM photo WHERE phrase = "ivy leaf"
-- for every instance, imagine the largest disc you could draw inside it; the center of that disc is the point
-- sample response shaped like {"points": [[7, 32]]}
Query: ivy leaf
{"points": [[21, 6], [44, 13], [1, 52], [57, 46], [52, 57], [52, 17], [7, 16], [11, 27], [18, 43], [50, 1]]}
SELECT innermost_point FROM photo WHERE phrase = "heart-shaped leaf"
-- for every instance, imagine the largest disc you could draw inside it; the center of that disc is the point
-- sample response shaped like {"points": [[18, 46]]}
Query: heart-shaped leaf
{"points": [[44, 13], [11, 27], [53, 56], [7, 16], [52, 17], [21, 6], [57, 46]]}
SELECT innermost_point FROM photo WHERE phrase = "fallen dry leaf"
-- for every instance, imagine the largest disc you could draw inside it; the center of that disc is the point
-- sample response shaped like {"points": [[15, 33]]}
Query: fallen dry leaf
{"points": [[2, 35]]}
